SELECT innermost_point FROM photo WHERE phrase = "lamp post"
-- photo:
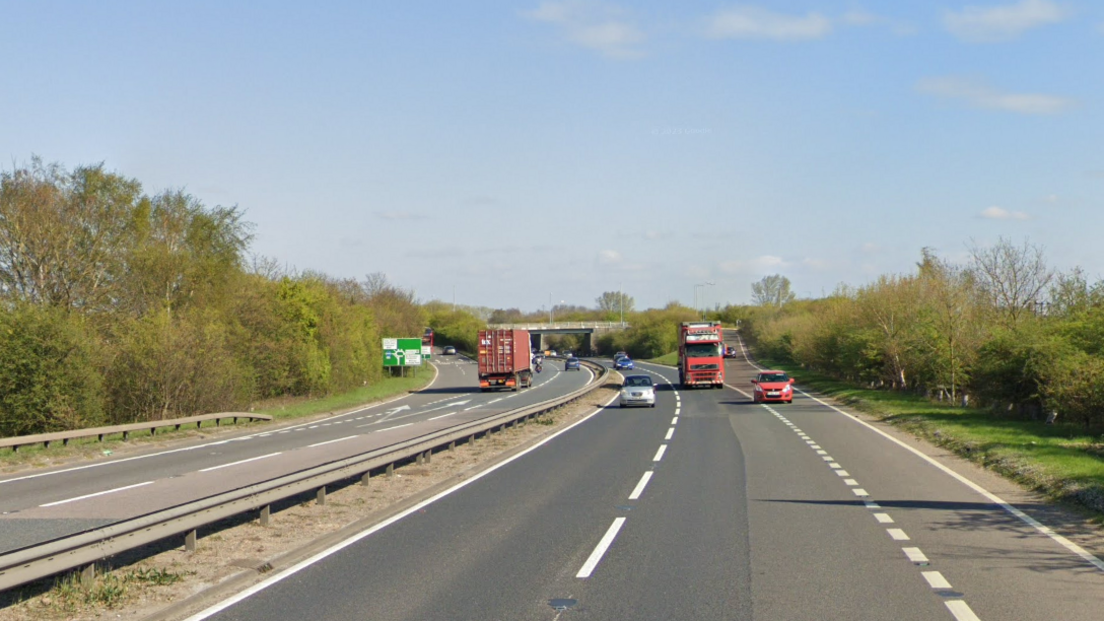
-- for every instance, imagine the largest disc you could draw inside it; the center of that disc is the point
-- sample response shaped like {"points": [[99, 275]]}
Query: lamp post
{"points": [[703, 286], [621, 302]]}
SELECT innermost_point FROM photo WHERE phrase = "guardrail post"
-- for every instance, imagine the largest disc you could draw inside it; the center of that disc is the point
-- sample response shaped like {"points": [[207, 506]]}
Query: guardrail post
{"points": [[126, 436], [321, 495], [429, 456], [452, 445], [88, 574], [366, 478], [190, 541], [266, 515], [471, 439], [419, 459], [390, 470], [153, 431]]}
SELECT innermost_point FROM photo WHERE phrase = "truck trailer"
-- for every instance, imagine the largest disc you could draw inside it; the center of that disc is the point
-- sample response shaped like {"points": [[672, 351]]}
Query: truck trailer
{"points": [[504, 360], [701, 354]]}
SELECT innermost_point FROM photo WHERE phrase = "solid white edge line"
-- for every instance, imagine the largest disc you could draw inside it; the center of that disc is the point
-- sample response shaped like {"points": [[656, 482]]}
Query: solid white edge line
{"points": [[331, 441], [110, 491], [660, 452], [936, 580], [301, 565], [243, 461], [961, 610], [990, 496], [600, 550], [442, 416], [639, 489]]}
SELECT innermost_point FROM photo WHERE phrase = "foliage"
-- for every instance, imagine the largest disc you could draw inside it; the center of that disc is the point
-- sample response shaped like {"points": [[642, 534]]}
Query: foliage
{"points": [[773, 290]]}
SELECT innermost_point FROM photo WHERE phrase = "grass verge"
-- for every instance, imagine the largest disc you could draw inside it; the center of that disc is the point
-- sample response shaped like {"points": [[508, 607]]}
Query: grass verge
{"points": [[37, 456], [1061, 461], [670, 359]]}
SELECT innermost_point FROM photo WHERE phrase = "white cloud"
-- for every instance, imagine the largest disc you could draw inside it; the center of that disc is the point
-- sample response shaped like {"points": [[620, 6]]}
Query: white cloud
{"points": [[999, 213], [759, 264], [1001, 23], [598, 27], [748, 22], [980, 95], [609, 257]]}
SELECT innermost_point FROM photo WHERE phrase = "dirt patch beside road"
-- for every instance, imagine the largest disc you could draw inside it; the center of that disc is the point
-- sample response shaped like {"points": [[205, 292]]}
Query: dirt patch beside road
{"points": [[157, 582]]}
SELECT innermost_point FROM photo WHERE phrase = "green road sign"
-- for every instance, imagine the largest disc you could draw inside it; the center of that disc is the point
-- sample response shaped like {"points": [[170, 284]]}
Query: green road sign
{"points": [[402, 352]]}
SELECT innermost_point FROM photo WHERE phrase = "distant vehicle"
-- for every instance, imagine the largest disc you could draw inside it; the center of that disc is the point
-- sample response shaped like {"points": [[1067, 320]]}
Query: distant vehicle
{"points": [[773, 386], [700, 354], [550, 352], [730, 352], [638, 390], [449, 350], [567, 354], [620, 354], [572, 364], [623, 363], [504, 360]]}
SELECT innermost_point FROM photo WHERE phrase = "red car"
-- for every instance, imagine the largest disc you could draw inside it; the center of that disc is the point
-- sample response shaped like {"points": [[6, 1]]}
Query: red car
{"points": [[773, 386]]}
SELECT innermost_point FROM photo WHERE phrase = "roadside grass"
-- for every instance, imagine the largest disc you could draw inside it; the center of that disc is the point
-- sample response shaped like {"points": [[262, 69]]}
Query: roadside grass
{"points": [[86, 448], [387, 388], [670, 359], [1062, 461]]}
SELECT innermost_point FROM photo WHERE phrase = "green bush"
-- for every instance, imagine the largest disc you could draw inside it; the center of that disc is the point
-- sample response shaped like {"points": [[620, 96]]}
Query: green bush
{"points": [[50, 378]]}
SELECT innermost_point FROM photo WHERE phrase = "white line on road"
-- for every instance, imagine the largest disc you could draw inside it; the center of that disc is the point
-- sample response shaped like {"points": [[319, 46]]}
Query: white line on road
{"points": [[842, 473], [897, 534], [395, 427], [670, 432], [849, 482], [883, 518], [244, 461], [936, 580], [332, 441], [828, 458], [822, 452], [834, 466], [639, 489], [860, 492], [674, 420], [660, 452], [443, 415], [915, 555], [961, 610], [110, 491], [600, 550], [870, 504]]}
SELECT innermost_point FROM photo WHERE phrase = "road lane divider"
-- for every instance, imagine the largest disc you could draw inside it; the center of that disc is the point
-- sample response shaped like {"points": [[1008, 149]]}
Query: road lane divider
{"points": [[600, 550], [660, 452], [110, 491], [639, 489], [241, 461], [332, 441]]}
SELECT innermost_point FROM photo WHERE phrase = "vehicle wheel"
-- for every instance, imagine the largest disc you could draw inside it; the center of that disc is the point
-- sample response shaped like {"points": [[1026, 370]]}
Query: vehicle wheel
{"points": [[790, 401], [652, 405]]}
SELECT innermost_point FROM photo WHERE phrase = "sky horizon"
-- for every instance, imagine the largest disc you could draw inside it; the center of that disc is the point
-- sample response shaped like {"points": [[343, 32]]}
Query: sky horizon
{"points": [[528, 151]]}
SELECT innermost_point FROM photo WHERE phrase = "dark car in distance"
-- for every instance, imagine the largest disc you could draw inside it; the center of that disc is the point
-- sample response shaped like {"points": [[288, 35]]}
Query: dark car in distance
{"points": [[448, 351], [572, 364]]}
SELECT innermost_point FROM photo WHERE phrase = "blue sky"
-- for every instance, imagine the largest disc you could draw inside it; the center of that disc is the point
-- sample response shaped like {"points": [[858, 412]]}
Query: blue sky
{"points": [[517, 151]]}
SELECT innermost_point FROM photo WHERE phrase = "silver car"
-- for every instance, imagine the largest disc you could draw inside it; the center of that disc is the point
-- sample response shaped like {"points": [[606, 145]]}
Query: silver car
{"points": [[638, 390]]}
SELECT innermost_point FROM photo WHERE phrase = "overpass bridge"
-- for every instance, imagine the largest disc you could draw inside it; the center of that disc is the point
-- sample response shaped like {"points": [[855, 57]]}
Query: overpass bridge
{"points": [[538, 331]]}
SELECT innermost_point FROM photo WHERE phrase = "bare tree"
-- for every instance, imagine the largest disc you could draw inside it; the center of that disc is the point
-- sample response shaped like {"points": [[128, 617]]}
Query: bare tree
{"points": [[1013, 278], [773, 290], [614, 302]]}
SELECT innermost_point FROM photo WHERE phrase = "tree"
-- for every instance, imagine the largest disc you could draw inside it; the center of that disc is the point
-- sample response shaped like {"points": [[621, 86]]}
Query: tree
{"points": [[773, 290], [1014, 278], [614, 303]]}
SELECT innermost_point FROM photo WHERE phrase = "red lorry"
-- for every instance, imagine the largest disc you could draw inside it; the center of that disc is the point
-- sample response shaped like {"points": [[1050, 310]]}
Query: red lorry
{"points": [[700, 354], [504, 360]]}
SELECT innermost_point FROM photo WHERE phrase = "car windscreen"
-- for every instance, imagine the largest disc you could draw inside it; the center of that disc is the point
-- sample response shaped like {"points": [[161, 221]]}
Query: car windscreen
{"points": [[638, 381], [774, 377], [703, 350]]}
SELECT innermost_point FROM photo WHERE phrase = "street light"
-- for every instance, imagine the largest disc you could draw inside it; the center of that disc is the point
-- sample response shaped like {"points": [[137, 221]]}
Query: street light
{"points": [[703, 286]]}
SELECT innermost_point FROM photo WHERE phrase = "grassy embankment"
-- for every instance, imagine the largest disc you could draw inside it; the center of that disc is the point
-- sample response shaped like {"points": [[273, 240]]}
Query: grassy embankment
{"points": [[670, 359], [1063, 461], [294, 408]]}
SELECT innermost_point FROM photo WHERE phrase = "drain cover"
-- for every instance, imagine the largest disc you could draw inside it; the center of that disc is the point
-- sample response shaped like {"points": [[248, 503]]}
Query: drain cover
{"points": [[562, 604]]}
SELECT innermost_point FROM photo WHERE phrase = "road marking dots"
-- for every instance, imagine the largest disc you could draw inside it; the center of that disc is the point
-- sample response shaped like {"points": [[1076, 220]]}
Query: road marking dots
{"points": [[842, 473], [639, 489], [897, 534], [670, 433], [674, 420], [860, 492], [110, 491], [244, 461], [935, 580], [849, 482], [660, 452], [883, 518], [600, 550]]}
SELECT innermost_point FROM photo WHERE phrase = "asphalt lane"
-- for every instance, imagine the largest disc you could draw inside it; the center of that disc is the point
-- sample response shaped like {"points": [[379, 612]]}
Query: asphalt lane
{"points": [[41, 505], [707, 507]]}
